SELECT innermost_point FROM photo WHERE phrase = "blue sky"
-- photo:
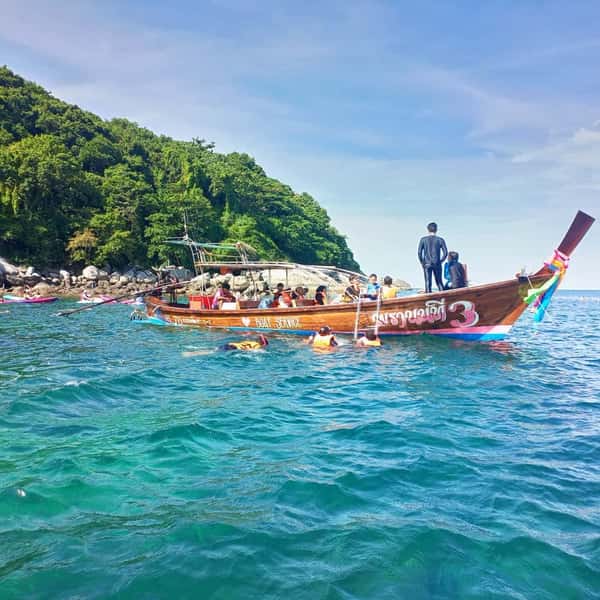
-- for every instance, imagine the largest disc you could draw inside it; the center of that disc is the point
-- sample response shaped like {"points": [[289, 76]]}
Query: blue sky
{"points": [[484, 117]]}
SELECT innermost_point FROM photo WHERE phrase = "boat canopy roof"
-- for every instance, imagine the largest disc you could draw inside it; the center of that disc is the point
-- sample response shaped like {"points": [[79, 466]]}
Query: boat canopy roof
{"points": [[242, 256]]}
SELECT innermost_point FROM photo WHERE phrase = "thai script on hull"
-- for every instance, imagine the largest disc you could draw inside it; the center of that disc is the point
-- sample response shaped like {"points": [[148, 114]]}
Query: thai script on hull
{"points": [[433, 311]]}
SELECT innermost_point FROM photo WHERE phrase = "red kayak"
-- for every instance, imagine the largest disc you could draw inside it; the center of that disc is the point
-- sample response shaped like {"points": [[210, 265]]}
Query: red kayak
{"points": [[11, 299]]}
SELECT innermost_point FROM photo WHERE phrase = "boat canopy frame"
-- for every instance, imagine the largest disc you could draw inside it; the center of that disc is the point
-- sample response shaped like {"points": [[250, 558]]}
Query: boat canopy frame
{"points": [[212, 256]]}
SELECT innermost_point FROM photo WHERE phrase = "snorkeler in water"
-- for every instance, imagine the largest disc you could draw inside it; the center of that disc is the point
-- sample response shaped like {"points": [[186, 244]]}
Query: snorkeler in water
{"points": [[245, 345]]}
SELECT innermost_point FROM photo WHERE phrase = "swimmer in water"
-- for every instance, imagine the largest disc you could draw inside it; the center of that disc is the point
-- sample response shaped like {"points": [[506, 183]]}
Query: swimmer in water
{"points": [[323, 338], [246, 344], [243, 345], [370, 339]]}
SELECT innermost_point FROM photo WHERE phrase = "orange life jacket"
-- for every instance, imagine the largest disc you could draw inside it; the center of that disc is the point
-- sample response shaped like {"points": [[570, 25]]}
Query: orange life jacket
{"points": [[285, 298]]}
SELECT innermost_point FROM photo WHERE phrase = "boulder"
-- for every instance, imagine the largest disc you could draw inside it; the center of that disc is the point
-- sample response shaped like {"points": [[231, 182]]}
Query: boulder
{"points": [[145, 277], [222, 279], [401, 284], [131, 273], [124, 280], [181, 273], [7, 268], [200, 282], [240, 283], [32, 279], [306, 277], [14, 280], [115, 276], [90, 273], [102, 275]]}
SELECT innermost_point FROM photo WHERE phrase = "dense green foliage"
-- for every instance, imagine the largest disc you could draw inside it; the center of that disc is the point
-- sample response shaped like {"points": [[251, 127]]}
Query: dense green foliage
{"points": [[75, 188]]}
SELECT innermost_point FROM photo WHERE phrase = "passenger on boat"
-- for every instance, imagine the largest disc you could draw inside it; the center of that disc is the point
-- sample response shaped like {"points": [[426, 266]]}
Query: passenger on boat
{"points": [[277, 294], [432, 253], [454, 272], [282, 297], [370, 339], [387, 289], [247, 344], [31, 293], [298, 295], [323, 338], [222, 295], [267, 300], [352, 292], [285, 299], [321, 295], [373, 287]]}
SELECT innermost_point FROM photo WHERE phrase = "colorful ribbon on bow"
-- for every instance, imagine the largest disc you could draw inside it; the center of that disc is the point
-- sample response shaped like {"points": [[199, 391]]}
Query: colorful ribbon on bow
{"points": [[540, 297]]}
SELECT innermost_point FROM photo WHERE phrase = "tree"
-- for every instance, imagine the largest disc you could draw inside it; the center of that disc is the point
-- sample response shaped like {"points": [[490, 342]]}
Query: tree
{"points": [[82, 245], [40, 186], [120, 226]]}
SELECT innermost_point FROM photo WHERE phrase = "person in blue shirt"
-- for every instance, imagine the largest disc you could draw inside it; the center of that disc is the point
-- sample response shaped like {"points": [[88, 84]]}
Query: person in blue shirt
{"points": [[432, 253], [372, 287]]}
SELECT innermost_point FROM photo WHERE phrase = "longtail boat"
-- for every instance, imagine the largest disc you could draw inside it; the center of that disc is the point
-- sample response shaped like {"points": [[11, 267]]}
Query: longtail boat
{"points": [[478, 313]]}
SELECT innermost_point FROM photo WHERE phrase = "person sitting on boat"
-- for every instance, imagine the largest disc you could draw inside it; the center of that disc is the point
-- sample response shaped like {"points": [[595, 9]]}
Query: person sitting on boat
{"points": [[298, 296], [323, 338], [277, 295], [266, 300], [388, 290], [373, 287], [369, 339], [223, 294], [285, 298], [321, 295], [245, 345], [31, 293], [352, 292], [454, 273]]}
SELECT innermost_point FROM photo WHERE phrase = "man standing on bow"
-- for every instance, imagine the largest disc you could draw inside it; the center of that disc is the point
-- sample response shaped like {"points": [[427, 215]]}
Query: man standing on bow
{"points": [[432, 253]]}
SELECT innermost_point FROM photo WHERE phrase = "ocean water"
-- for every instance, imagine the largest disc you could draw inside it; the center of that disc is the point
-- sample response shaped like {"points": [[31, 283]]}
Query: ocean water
{"points": [[137, 462]]}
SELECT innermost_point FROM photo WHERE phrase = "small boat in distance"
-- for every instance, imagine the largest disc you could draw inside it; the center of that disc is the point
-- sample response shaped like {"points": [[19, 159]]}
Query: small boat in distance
{"points": [[12, 299], [479, 313], [86, 298]]}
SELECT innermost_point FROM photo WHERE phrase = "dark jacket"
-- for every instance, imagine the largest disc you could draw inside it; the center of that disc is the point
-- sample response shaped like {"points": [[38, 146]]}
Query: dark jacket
{"points": [[432, 250], [454, 273]]}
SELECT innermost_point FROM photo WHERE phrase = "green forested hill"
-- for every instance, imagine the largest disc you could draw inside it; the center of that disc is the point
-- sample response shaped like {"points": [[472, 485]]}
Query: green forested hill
{"points": [[75, 188]]}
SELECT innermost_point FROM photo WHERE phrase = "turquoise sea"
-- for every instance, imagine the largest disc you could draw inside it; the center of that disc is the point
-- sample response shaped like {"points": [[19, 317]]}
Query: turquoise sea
{"points": [[138, 462]]}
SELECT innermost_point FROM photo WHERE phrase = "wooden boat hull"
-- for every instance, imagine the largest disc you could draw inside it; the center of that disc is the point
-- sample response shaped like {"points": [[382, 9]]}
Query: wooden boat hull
{"points": [[478, 313]]}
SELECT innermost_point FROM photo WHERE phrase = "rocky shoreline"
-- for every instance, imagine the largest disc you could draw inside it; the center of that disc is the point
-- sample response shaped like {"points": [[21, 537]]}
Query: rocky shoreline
{"points": [[114, 282]]}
